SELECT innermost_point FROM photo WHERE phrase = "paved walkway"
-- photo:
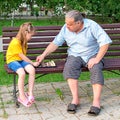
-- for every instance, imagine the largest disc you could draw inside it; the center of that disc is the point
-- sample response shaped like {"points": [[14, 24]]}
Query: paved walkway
{"points": [[52, 99]]}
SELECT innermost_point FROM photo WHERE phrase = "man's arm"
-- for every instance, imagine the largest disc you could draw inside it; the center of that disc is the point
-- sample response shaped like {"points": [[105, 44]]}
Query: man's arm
{"points": [[101, 52], [103, 49], [50, 48]]}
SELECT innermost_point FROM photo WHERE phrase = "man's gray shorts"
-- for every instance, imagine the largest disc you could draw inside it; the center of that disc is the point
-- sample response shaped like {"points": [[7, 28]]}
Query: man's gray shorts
{"points": [[72, 69]]}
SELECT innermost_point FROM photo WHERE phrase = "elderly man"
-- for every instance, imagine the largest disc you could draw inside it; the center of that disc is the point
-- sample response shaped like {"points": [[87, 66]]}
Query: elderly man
{"points": [[87, 44]]}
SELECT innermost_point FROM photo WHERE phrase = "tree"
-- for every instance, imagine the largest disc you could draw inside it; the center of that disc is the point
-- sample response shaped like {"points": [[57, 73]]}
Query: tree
{"points": [[31, 3], [104, 8], [8, 6]]}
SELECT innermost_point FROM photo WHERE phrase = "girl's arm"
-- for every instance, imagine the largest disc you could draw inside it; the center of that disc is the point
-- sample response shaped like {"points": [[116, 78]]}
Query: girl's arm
{"points": [[25, 58]]}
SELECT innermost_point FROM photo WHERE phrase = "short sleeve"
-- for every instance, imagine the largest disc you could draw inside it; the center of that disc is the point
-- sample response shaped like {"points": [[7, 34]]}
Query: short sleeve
{"points": [[100, 35], [17, 47], [59, 39]]}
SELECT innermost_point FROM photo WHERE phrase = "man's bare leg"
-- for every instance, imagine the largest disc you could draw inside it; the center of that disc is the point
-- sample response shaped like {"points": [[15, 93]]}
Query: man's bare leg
{"points": [[73, 84], [97, 88]]}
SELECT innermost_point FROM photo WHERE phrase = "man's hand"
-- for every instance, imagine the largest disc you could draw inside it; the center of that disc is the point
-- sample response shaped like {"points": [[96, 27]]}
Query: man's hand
{"points": [[103, 49], [40, 58], [92, 62]]}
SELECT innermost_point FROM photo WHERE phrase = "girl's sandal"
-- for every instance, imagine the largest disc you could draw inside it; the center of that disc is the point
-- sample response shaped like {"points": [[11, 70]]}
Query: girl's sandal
{"points": [[31, 99], [25, 103]]}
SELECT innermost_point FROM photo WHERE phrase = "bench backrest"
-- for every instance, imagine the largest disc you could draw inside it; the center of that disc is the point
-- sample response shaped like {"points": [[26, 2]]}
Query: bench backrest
{"points": [[45, 34]]}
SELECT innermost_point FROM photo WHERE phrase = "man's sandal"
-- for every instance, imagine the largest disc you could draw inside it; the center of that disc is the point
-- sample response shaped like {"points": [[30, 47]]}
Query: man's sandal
{"points": [[25, 103], [72, 108], [94, 111]]}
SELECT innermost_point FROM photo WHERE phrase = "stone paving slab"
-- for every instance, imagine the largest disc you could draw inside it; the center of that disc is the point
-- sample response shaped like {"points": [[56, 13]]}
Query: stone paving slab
{"points": [[52, 99]]}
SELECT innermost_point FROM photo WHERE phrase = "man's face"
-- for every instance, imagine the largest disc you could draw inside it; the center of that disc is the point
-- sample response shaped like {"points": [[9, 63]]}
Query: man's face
{"points": [[72, 25]]}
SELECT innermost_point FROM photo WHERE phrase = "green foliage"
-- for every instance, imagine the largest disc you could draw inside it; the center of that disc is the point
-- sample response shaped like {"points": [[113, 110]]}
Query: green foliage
{"points": [[75, 4], [36, 11], [104, 8], [8, 6]]}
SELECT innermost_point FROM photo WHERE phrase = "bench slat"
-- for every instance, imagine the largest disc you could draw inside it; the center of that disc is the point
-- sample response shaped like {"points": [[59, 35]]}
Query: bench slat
{"points": [[7, 29]]}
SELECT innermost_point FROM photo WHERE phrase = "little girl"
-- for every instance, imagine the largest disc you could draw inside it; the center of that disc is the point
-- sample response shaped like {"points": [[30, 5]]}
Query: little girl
{"points": [[18, 61]]}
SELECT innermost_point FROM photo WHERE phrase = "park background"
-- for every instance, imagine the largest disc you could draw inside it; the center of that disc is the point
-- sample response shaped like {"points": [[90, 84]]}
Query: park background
{"points": [[51, 12]]}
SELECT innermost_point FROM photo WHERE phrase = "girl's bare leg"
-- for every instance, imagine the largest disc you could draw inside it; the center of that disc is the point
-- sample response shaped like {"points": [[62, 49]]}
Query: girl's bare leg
{"points": [[31, 71], [21, 78]]}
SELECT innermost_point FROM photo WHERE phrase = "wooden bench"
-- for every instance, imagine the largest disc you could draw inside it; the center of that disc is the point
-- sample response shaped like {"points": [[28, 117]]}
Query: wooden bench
{"points": [[45, 34]]}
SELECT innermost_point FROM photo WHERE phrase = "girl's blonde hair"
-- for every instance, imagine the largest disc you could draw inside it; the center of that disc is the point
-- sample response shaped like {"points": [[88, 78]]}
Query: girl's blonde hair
{"points": [[21, 35]]}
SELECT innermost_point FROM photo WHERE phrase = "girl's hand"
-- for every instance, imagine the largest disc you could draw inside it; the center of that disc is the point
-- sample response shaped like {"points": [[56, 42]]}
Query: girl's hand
{"points": [[36, 64]]}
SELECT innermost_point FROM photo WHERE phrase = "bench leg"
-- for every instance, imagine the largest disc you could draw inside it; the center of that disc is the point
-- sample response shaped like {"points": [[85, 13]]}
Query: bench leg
{"points": [[14, 92]]}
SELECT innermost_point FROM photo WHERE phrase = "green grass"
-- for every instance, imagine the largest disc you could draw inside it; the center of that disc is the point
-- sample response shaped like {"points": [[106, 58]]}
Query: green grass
{"points": [[35, 22], [7, 79]]}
